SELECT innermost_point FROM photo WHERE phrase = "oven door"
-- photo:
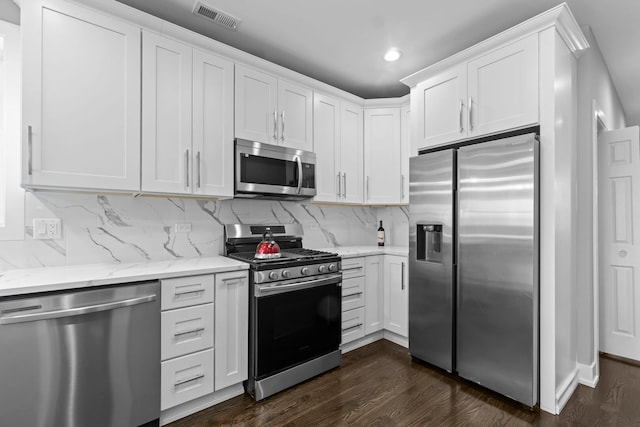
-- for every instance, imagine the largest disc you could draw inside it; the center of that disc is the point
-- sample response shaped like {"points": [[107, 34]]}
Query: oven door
{"points": [[296, 322], [264, 169]]}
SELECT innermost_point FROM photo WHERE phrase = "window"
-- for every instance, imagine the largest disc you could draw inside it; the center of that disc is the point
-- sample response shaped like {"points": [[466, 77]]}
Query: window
{"points": [[11, 195]]}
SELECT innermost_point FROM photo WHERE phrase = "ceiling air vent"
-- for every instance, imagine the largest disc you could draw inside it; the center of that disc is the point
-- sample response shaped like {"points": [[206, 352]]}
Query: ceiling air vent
{"points": [[215, 15]]}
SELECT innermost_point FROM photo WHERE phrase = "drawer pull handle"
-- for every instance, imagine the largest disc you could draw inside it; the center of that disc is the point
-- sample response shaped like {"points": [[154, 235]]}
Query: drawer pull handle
{"points": [[185, 293], [352, 295], [188, 380], [352, 268], [191, 331], [352, 327]]}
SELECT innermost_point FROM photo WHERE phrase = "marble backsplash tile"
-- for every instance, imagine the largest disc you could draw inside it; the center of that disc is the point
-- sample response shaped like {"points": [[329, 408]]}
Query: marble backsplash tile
{"points": [[121, 228]]}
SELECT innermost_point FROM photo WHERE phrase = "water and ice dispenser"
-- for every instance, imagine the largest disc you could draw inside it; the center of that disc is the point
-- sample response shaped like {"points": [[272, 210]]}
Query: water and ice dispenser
{"points": [[429, 242]]}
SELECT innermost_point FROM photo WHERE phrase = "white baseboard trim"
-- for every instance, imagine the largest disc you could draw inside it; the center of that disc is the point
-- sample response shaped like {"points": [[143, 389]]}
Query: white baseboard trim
{"points": [[395, 338], [565, 390], [587, 375], [172, 414]]}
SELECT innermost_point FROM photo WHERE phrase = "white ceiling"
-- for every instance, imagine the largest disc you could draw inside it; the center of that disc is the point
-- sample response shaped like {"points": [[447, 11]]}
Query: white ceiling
{"points": [[342, 42]]}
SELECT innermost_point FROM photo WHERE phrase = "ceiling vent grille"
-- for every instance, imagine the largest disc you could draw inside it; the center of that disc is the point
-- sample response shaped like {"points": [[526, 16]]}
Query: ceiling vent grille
{"points": [[215, 15]]}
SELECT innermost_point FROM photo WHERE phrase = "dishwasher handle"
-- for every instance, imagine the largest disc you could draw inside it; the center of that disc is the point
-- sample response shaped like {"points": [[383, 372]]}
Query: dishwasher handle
{"points": [[76, 311]]}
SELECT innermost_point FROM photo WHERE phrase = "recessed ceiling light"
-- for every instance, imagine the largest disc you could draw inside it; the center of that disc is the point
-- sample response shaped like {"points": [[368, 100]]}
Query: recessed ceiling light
{"points": [[392, 55]]}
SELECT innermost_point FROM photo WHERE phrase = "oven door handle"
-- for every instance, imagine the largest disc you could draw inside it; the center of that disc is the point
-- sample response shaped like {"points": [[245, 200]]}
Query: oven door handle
{"points": [[263, 290]]}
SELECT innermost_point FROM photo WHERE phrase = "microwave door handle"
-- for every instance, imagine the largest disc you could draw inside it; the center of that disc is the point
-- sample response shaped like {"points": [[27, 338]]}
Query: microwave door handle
{"points": [[297, 159]]}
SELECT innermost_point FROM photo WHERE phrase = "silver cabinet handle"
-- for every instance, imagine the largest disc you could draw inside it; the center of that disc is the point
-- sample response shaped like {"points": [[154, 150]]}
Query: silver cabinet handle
{"points": [[179, 294], [401, 187], [297, 159], [339, 185], [367, 187], [186, 168], [190, 331], [30, 147], [198, 182], [344, 184], [282, 126], [402, 277], [460, 115], [357, 267], [352, 295], [470, 113], [188, 380], [275, 125], [76, 311], [352, 327]]}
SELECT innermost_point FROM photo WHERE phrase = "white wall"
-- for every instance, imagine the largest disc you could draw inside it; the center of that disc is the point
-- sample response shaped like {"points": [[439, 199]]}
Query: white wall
{"points": [[594, 83], [9, 12]]}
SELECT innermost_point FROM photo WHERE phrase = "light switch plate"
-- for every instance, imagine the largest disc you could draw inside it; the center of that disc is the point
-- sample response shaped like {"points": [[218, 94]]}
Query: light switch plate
{"points": [[47, 228]]}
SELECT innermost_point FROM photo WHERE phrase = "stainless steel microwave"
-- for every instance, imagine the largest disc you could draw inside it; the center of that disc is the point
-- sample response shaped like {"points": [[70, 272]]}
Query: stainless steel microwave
{"points": [[273, 172]]}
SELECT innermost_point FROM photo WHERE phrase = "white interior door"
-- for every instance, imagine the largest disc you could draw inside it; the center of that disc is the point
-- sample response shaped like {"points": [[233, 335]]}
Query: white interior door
{"points": [[619, 235]]}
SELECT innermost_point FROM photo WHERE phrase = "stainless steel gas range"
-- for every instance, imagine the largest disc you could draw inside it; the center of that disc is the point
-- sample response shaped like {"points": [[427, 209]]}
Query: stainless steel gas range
{"points": [[294, 306]]}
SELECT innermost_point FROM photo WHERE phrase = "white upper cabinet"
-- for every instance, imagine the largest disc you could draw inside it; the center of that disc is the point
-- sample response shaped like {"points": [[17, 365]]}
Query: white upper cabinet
{"points": [[494, 92], [441, 114], [212, 124], [383, 177], [166, 115], [272, 111], [338, 146], [503, 88], [81, 98], [187, 140]]}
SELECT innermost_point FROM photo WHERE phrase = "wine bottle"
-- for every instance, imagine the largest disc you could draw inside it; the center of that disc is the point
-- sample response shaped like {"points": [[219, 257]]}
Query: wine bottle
{"points": [[380, 235]]}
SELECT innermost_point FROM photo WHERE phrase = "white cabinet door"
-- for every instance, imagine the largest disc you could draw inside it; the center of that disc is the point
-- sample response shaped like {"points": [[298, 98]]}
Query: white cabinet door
{"points": [[374, 295], [212, 125], [396, 301], [405, 152], [441, 108], [326, 137], [81, 99], [166, 115], [382, 155], [351, 153], [503, 88], [256, 103], [295, 116], [231, 328]]}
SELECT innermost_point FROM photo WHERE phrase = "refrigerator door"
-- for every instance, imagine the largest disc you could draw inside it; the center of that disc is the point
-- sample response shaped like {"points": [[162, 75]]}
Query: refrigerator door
{"points": [[497, 328], [431, 284]]}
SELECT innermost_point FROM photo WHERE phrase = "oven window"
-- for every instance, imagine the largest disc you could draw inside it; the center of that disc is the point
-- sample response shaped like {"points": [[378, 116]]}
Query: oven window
{"points": [[297, 326], [269, 171]]}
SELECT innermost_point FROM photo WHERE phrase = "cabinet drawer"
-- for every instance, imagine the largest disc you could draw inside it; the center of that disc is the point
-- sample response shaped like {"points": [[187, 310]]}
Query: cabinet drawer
{"points": [[352, 325], [186, 378], [352, 293], [352, 267], [186, 291], [186, 330]]}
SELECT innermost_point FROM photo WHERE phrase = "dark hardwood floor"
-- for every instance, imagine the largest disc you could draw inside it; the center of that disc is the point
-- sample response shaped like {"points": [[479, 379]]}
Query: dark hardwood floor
{"points": [[380, 385]]}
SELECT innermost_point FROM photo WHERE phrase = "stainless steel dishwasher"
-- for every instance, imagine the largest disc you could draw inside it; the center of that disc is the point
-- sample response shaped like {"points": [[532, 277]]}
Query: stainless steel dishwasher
{"points": [[81, 358]]}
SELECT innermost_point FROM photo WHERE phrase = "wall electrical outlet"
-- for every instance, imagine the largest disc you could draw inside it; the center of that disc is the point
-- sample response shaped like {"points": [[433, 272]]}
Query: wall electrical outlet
{"points": [[184, 227], [47, 228]]}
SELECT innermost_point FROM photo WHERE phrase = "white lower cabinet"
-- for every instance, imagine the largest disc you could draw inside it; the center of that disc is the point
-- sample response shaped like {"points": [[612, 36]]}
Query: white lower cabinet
{"points": [[186, 378], [353, 284], [396, 295], [373, 312], [204, 344], [352, 325]]}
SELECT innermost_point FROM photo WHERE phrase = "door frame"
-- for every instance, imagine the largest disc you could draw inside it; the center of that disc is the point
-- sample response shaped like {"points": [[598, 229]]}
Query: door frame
{"points": [[598, 125]]}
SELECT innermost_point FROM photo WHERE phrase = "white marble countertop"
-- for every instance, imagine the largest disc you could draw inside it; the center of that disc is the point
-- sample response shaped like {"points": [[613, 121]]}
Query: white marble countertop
{"points": [[28, 281], [356, 251]]}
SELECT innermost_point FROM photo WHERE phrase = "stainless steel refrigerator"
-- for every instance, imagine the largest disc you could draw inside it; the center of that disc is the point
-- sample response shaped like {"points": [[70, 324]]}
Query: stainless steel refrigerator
{"points": [[473, 263]]}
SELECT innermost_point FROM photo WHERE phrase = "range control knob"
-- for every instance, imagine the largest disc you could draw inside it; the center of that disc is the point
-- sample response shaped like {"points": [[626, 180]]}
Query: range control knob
{"points": [[286, 274], [305, 271], [322, 268], [333, 267], [273, 275]]}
